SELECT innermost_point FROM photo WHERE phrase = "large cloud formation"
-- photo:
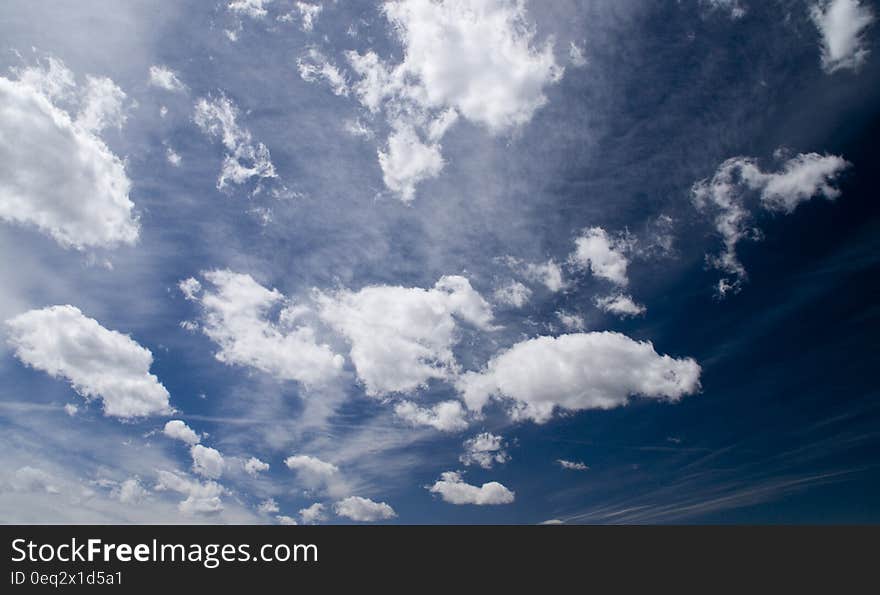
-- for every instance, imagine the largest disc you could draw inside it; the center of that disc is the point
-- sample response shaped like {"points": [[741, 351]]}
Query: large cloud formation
{"points": [[600, 370], [98, 363], [56, 173], [402, 337], [236, 316]]}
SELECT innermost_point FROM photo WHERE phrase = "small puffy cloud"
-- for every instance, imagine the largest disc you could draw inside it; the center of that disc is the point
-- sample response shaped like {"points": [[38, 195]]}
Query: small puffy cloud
{"points": [[724, 197], [165, 78], [842, 25], [577, 372], [454, 490], [572, 465], [130, 491], [173, 157], [200, 498], [548, 273], [255, 9], [604, 255], [236, 316], [178, 430], [552, 522], [58, 175], [403, 337], [312, 471], [98, 363], [363, 510], [207, 462], [285, 520], [217, 117], [312, 515], [620, 305], [308, 12], [514, 294], [407, 160], [253, 466], [268, 506], [71, 409], [485, 450], [447, 416], [314, 66]]}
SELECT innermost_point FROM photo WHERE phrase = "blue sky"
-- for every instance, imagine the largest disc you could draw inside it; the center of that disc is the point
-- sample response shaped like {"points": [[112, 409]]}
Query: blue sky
{"points": [[475, 261]]}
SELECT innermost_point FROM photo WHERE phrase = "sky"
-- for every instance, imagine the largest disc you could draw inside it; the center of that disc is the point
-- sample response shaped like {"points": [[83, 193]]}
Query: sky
{"points": [[439, 262]]}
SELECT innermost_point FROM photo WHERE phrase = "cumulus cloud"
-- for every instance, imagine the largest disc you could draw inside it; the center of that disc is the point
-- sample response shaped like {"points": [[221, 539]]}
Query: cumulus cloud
{"points": [[31, 479], [165, 78], [314, 473], [448, 416], [236, 316], [285, 520], [402, 337], [255, 9], [313, 514], [98, 363], [620, 305], [454, 490], [130, 491], [724, 197], [485, 450], [217, 117], [572, 465], [253, 466], [201, 498], [268, 506], [604, 255], [309, 14], [471, 58], [59, 176], [364, 510], [842, 25], [579, 371], [178, 430], [314, 66], [513, 294], [207, 462], [570, 320]]}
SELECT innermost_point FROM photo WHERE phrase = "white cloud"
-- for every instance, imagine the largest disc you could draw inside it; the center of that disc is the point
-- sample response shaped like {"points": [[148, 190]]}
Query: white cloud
{"points": [[454, 490], [448, 416], [58, 175], [313, 514], [604, 255], [364, 510], [314, 66], [98, 363], [842, 24], [173, 157], [71, 409], [572, 465], [130, 491], [485, 450], [285, 520], [178, 430], [408, 161], [313, 472], [30, 479], [514, 294], [570, 320], [309, 14], [268, 506], [620, 305], [402, 337], [165, 78], [724, 196], [474, 58], [255, 9], [207, 462], [216, 117], [201, 498], [577, 372], [253, 466], [236, 317]]}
